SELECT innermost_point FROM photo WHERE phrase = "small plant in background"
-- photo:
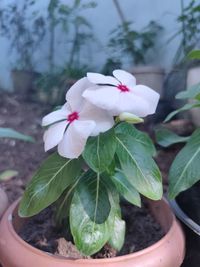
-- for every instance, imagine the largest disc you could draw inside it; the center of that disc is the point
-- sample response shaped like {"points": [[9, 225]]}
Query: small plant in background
{"points": [[25, 30], [127, 41], [185, 169], [100, 157], [189, 21]]}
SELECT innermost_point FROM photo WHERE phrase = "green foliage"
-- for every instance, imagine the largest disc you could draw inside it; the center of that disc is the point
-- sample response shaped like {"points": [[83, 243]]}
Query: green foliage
{"points": [[127, 41], [186, 107], [191, 93], [47, 185], [185, 170], [139, 167], [165, 137], [194, 54], [120, 164], [126, 189], [99, 151], [189, 30], [7, 175], [140, 137]]}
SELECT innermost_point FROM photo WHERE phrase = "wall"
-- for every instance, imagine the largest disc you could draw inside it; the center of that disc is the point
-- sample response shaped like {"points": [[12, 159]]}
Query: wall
{"points": [[104, 18]]}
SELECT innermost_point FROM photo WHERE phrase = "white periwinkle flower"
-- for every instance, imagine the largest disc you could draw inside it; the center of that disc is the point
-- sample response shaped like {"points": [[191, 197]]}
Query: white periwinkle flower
{"points": [[120, 94], [70, 126]]}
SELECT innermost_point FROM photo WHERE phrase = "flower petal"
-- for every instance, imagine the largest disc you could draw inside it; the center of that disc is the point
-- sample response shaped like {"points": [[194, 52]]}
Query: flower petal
{"points": [[104, 97], [54, 134], [56, 116], [98, 78], [74, 94], [124, 77], [151, 96], [129, 102], [104, 121], [74, 140]]}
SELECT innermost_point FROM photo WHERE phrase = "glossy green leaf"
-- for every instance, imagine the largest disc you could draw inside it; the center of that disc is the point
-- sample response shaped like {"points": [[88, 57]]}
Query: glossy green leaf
{"points": [[185, 170], [140, 137], [191, 93], [47, 185], [186, 107], [94, 197], [10, 133], [139, 167], [90, 237], [99, 151], [118, 233], [167, 138], [125, 188]]}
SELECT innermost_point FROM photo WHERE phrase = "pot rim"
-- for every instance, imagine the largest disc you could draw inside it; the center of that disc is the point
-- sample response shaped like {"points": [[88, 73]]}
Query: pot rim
{"points": [[8, 217], [184, 217]]}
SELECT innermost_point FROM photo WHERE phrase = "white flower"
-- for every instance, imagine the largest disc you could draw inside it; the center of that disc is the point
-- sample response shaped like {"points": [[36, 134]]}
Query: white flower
{"points": [[121, 94], [71, 125]]}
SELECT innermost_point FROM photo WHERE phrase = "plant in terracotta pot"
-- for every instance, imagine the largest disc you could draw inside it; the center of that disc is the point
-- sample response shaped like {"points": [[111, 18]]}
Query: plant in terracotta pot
{"points": [[100, 157]]}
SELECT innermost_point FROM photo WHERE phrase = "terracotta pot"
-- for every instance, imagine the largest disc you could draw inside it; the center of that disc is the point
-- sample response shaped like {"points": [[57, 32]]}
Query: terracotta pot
{"points": [[3, 201], [151, 76], [167, 252]]}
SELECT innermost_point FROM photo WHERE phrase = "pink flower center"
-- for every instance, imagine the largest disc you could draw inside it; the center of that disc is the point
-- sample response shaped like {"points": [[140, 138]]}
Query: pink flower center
{"points": [[123, 88], [72, 117]]}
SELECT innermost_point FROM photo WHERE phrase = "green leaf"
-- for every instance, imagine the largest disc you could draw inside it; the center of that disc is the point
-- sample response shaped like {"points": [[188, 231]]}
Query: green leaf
{"points": [[192, 92], [64, 202], [47, 185], [141, 137], [194, 54], [7, 175], [185, 170], [125, 188], [99, 151], [10, 133], [90, 237], [118, 233], [139, 167], [167, 138], [187, 106], [94, 197]]}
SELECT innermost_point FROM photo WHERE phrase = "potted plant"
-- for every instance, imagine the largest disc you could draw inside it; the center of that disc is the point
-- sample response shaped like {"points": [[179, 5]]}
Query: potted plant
{"points": [[100, 157], [184, 174], [24, 28]]}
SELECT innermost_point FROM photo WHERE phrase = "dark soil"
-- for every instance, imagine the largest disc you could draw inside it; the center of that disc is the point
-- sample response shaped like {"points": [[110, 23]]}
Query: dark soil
{"points": [[40, 231]]}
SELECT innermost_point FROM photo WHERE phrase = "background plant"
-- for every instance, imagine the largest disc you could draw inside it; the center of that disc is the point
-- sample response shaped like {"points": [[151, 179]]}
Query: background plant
{"points": [[185, 169], [25, 28], [189, 30]]}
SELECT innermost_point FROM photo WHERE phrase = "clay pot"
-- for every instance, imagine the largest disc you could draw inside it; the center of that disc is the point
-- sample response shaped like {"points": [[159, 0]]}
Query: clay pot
{"points": [[151, 76], [3, 202], [167, 252]]}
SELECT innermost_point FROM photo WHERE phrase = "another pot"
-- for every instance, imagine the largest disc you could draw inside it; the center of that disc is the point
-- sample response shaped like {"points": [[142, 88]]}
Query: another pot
{"points": [[193, 77], [187, 210], [23, 81], [167, 252], [150, 76]]}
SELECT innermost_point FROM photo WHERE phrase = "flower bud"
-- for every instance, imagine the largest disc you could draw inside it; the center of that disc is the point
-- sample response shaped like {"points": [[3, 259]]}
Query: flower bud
{"points": [[130, 118]]}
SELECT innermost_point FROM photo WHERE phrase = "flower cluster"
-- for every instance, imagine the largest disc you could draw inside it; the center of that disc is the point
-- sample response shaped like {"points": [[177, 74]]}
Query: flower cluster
{"points": [[90, 108]]}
